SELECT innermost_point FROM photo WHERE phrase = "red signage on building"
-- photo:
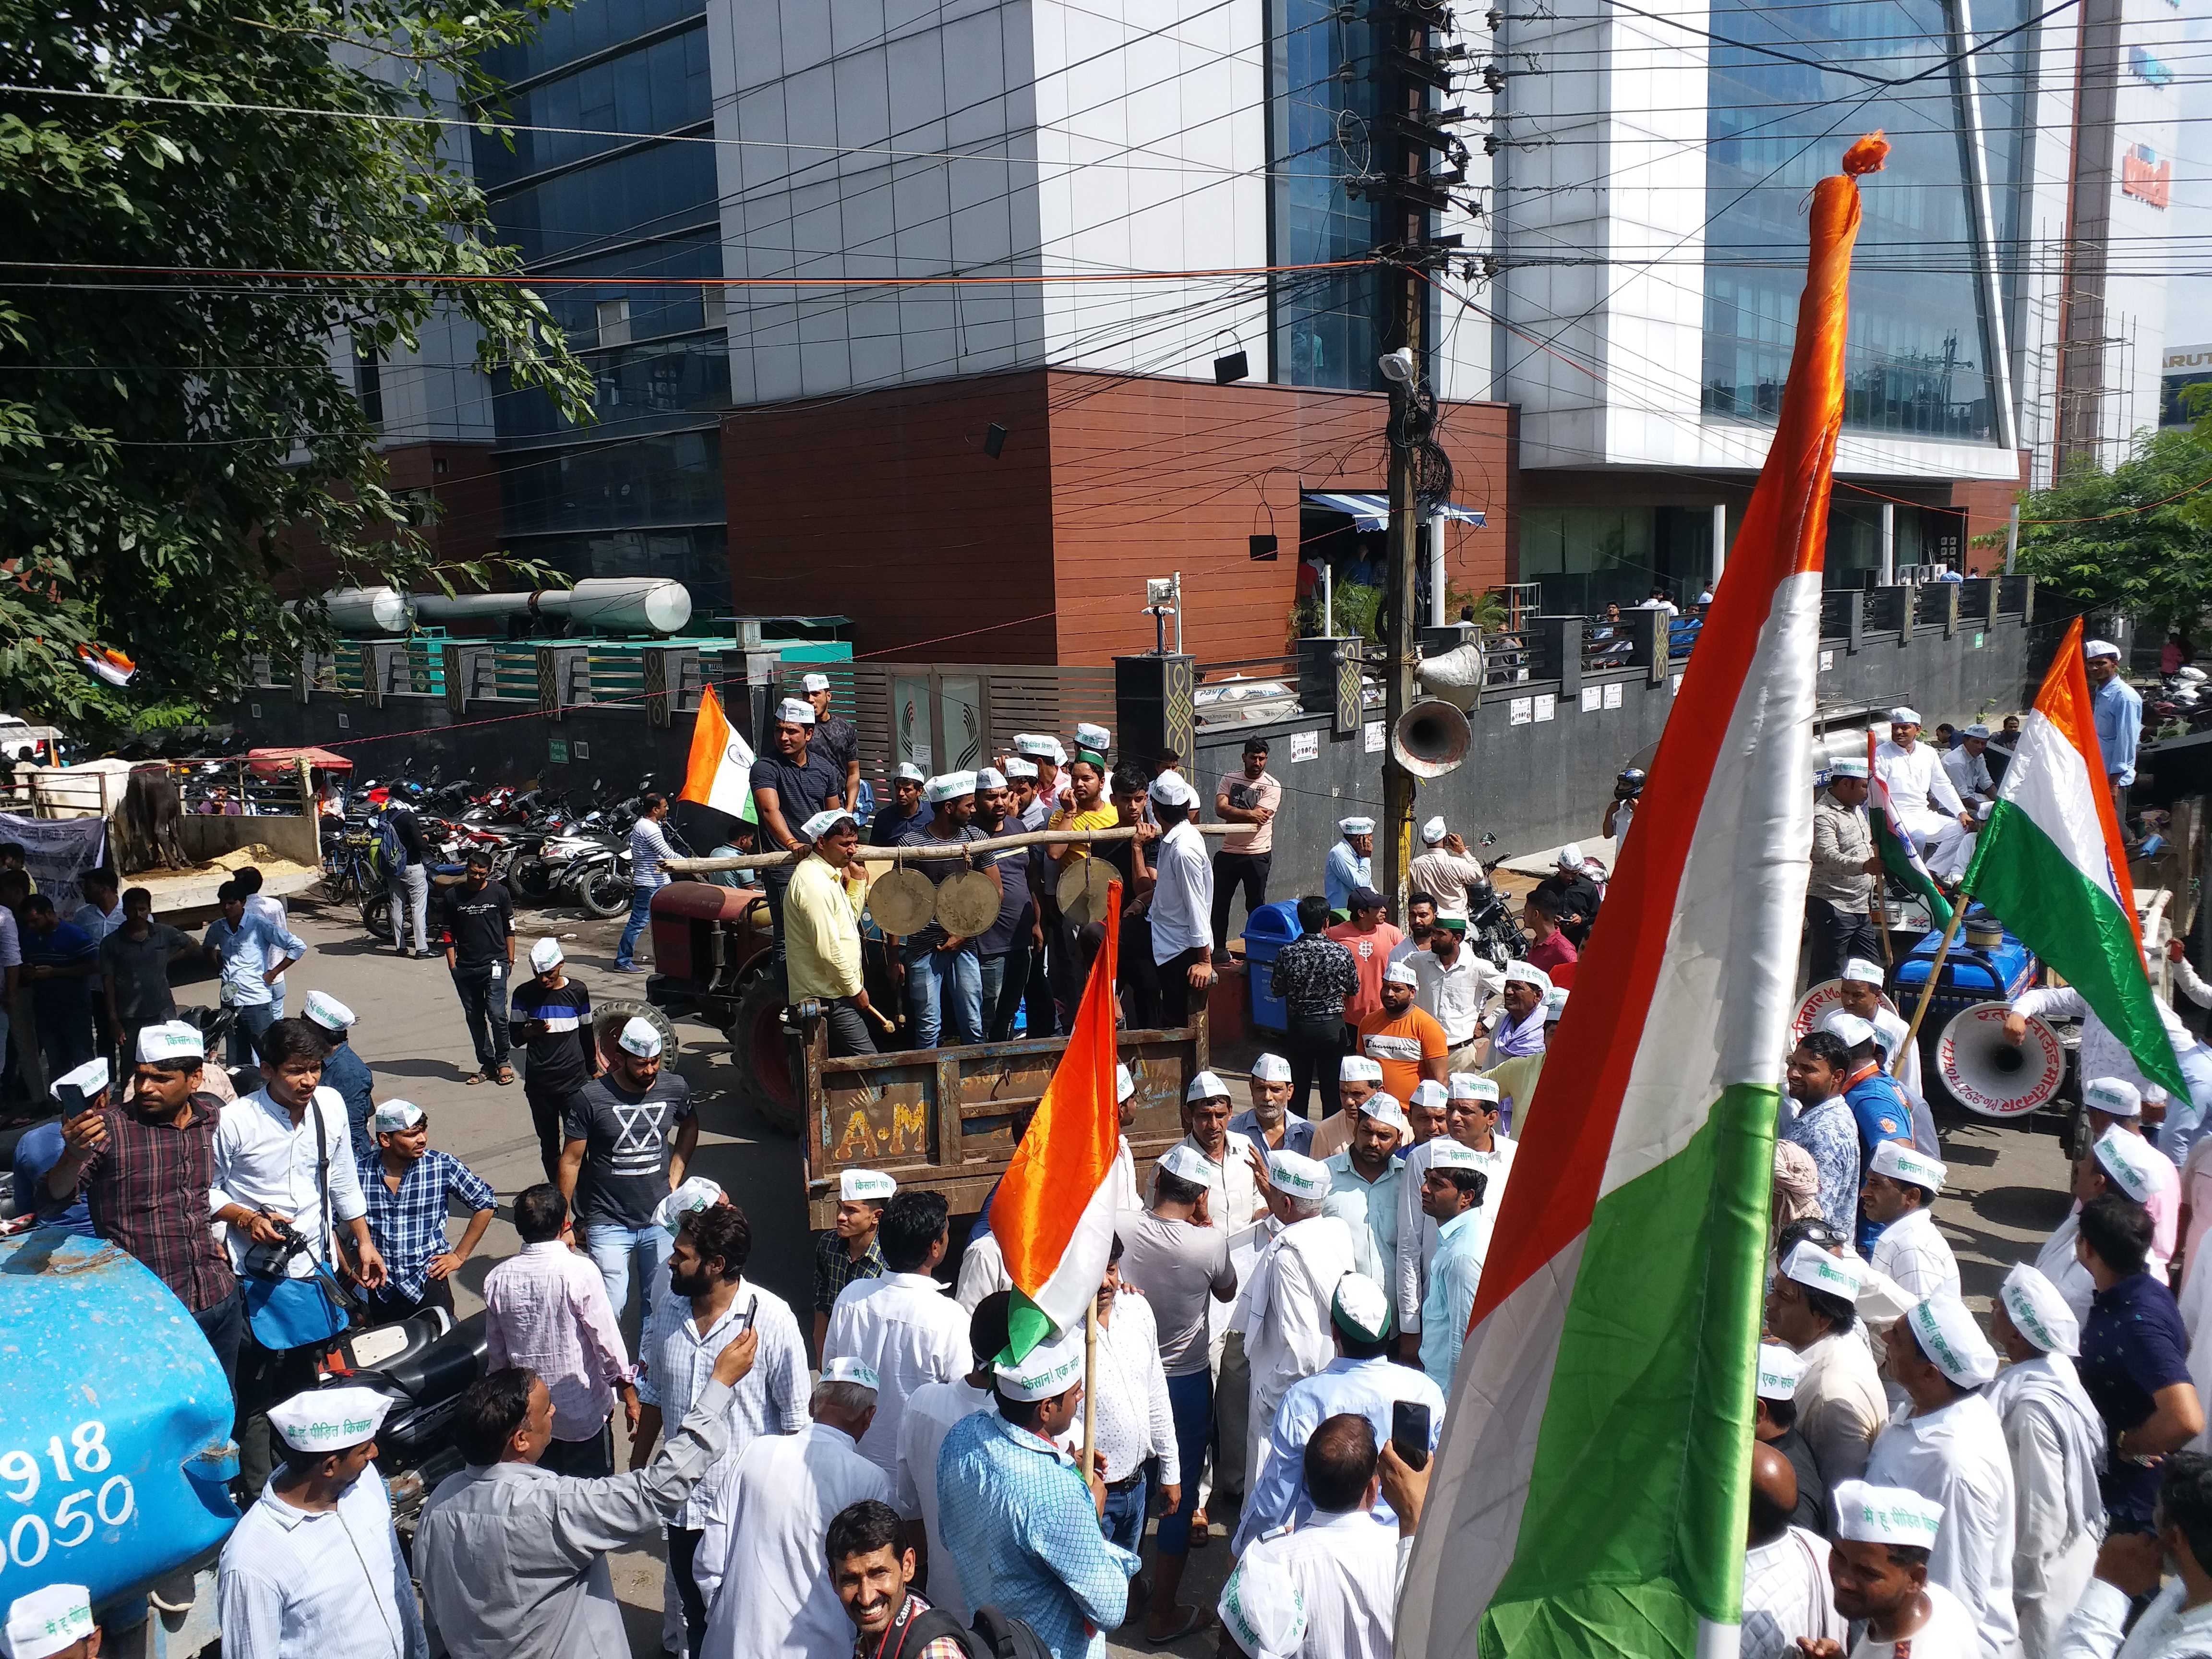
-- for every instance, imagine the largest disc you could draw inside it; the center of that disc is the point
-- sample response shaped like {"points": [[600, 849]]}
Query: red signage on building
{"points": [[2145, 176]]}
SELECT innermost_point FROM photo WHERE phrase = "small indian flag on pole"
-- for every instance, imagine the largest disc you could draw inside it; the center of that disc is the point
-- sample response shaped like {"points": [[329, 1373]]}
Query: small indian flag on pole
{"points": [[720, 773], [1052, 1214], [1895, 846], [2051, 863]]}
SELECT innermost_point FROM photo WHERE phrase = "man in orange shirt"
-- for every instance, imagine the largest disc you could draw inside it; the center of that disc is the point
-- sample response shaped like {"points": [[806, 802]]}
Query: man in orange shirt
{"points": [[1371, 939], [1406, 1042]]}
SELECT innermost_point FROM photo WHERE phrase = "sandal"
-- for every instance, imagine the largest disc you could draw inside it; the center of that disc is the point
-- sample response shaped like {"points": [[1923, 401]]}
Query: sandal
{"points": [[1198, 1619], [475, 1078], [505, 1075]]}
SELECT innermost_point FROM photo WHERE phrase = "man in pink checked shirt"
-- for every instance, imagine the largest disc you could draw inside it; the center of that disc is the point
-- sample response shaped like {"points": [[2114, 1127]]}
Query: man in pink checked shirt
{"points": [[547, 1309]]}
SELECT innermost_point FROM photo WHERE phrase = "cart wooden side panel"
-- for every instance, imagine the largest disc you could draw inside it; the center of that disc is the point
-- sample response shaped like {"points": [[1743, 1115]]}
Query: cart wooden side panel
{"points": [[948, 1120]]}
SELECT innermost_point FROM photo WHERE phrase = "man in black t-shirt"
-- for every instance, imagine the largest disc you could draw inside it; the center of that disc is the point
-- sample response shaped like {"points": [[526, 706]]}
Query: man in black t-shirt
{"points": [[478, 919], [839, 740], [553, 1011], [629, 1134], [793, 781]]}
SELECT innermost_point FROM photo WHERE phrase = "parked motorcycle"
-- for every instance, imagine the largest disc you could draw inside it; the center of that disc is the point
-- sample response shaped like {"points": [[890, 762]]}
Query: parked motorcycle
{"points": [[422, 1364]]}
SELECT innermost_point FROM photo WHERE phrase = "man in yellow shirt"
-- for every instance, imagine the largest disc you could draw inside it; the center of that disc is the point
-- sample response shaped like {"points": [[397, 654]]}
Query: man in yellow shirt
{"points": [[822, 929]]}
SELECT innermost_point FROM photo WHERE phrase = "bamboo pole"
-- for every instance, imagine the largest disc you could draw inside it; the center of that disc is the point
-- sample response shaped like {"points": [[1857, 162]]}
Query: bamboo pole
{"points": [[1880, 877], [950, 849], [1090, 1392], [1935, 972]]}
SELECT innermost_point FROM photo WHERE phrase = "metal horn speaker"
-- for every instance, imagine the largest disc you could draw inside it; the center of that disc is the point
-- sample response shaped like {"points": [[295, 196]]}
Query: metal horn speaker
{"points": [[1988, 1075], [1431, 738]]}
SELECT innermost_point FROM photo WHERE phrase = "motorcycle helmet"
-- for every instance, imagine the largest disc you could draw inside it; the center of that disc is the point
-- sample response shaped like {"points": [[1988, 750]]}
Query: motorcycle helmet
{"points": [[1632, 777]]}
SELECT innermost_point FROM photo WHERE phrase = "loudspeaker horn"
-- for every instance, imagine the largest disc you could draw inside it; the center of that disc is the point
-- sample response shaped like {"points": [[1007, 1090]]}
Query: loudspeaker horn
{"points": [[1431, 738], [1989, 1076]]}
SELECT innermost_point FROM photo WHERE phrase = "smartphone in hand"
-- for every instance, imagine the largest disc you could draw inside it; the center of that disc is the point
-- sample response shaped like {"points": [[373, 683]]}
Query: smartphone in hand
{"points": [[1409, 1432]]}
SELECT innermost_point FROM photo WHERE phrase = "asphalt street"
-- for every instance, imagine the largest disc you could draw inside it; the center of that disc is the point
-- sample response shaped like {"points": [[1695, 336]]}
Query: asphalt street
{"points": [[2007, 1185]]}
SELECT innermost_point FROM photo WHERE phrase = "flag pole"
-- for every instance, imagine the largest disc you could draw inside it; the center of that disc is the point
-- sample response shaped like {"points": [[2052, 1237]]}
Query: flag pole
{"points": [[1090, 1395], [1935, 972], [1881, 909]]}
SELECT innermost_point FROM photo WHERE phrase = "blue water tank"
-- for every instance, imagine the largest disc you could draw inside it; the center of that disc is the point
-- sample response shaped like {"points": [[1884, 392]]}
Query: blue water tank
{"points": [[115, 1422], [1266, 931], [1971, 974]]}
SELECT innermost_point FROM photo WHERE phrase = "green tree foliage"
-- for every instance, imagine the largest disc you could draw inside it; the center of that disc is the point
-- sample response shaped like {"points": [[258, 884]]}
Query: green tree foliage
{"points": [[164, 437], [2138, 538]]}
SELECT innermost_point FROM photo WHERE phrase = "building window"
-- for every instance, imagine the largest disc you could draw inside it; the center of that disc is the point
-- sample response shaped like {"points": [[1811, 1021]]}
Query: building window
{"points": [[1320, 104], [1918, 363], [368, 381], [613, 322]]}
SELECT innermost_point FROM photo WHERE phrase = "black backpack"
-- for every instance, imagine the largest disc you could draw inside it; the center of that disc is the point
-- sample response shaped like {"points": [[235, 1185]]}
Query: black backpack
{"points": [[997, 1635]]}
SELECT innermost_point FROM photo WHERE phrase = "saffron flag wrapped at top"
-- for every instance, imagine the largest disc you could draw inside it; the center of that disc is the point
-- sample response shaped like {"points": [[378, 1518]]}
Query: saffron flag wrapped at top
{"points": [[1590, 1487], [1053, 1213], [2051, 863]]}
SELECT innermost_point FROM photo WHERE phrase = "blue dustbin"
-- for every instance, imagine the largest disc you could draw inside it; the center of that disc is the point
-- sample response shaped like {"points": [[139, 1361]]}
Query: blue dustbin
{"points": [[1266, 931]]}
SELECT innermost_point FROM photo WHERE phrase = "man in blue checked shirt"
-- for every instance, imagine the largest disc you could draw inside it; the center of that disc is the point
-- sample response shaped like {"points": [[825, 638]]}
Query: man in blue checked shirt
{"points": [[406, 1186], [1019, 1519]]}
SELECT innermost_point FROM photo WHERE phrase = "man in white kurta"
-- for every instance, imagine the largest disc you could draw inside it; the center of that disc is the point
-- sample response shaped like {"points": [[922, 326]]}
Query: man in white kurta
{"points": [[901, 1325], [760, 1563], [1470, 1119], [1910, 1253], [1283, 1311], [1920, 790], [1786, 1594], [930, 1412], [2056, 1440], [2103, 1054], [1237, 1204], [1840, 1407], [1947, 1443]]}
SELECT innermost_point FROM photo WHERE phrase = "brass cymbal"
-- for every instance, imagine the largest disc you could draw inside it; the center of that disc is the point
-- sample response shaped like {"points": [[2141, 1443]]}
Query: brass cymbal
{"points": [[903, 901], [968, 904], [1082, 890]]}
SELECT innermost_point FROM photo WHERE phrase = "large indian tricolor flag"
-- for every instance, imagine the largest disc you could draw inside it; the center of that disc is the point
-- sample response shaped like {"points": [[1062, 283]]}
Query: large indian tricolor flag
{"points": [[1052, 1213], [2051, 863], [1592, 1481], [718, 773]]}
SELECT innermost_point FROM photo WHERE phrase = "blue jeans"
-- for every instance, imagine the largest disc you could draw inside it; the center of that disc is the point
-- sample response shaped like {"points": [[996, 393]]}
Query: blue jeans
{"points": [[1123, 1523], [253, 1019], [611, 1246], [640, 913], [955, 978], [1191, 1400]]}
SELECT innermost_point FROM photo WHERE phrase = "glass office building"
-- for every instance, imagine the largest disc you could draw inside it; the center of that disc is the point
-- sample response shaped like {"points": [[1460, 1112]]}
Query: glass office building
{"points": [[1922, 361], [639, 490]]}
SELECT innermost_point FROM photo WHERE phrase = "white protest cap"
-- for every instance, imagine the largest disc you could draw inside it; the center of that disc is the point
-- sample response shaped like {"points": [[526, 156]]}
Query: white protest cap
{"points": [[2115, 1096], [792, 712], [1902, 715], [1096, 738], [1555, 1003], [1450, 1155], [546, 955], [949, 785], [1171, 788], [1470, 1085], [1571, 856], [1433, 831], [1385, 1109], [395, 1115], [2126, 1159], [1951, 1340], [1850, 766], [640, 1037], [1355, 826], [88, 1080], [910, 773], [1847, 1028], [1186, 1163], [1361, 1308], [330, 1419], [1018, 767], [1860, 971], [1297, 1175], [1897, 1160], [990, 777], [2099, 648], [176, 1040], [1430, 1093], [50, 1620], [1047, 1371], [849, 1368], [1400, 972], [1125, 1084], [1040, 745], [1813, 1266], [2038, 1312], [697, 1193], [1780, 1370], [327, 1011], [1357, 1068], [1263, 1608], [823, 823], [1528, 974], [1270, 1068], [814, 682], [1206, 1086], [866, 1186], [1868, 1514], [1976, 730]]}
